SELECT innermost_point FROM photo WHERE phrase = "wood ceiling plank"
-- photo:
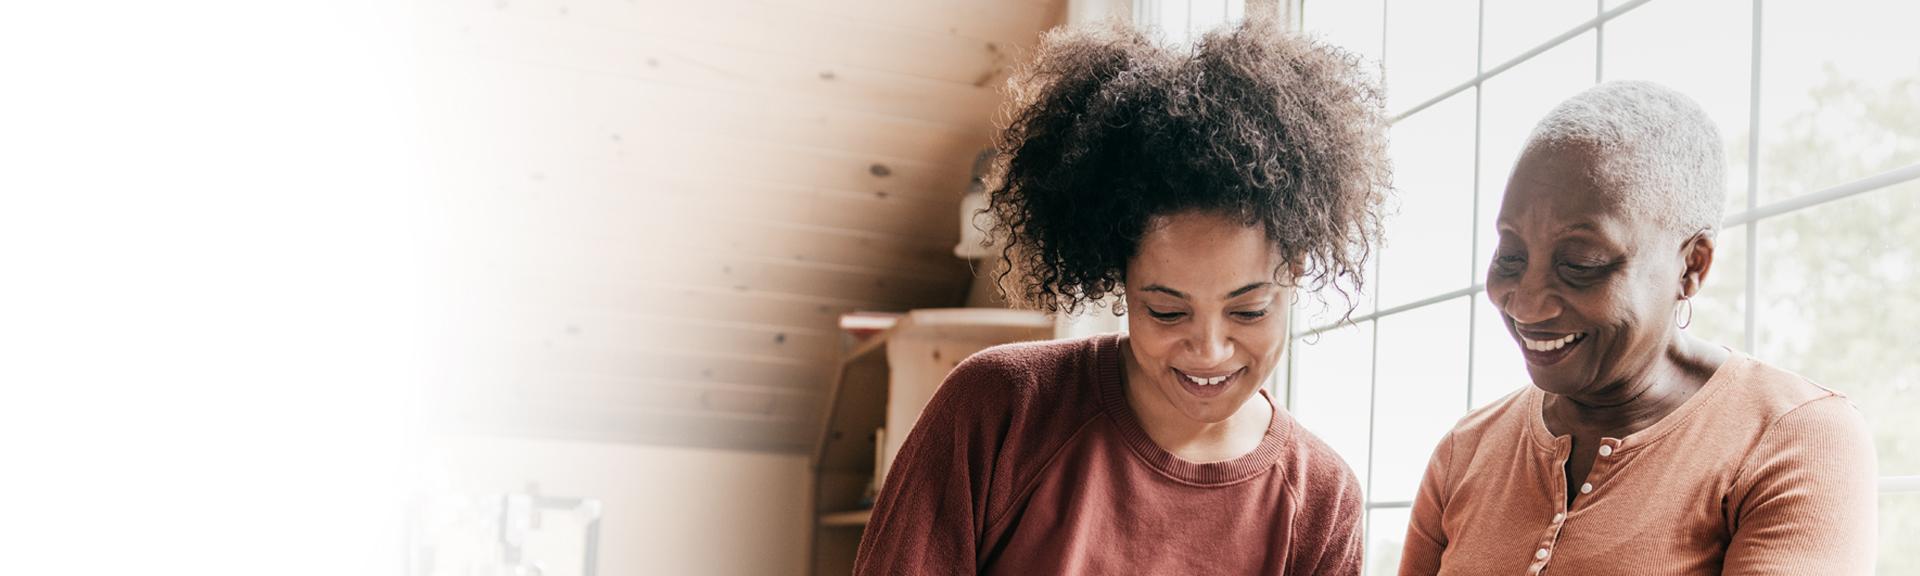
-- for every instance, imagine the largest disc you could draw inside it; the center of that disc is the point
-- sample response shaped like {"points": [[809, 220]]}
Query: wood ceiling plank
{"points": [[477, 164], [651, 299], [659, 396], [665, 211], [505, 361], [604, 424], [737, 274], [794, 77], [759, 27], [661, 208], [602, 330], [535, 108], [1011, 21]]}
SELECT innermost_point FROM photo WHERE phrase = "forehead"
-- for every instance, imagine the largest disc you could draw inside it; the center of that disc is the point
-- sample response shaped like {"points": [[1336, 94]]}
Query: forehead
{"points": [[1552, 189], [1199, 250]]}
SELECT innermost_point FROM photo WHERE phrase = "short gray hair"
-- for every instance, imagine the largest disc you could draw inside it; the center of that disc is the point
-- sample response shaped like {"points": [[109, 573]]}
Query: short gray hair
{"points": [[1653, 149]]}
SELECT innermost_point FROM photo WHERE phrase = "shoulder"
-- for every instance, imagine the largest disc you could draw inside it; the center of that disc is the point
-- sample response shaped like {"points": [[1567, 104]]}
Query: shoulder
{"points": [[1762, 407], [1323, 473], [1024, 372], [1020, 404], [1768, 391], [1788, 408], [1024, 394], [1320, 461], [1808, 454], [1029, 359], [1327, 531], [1505, 419]]}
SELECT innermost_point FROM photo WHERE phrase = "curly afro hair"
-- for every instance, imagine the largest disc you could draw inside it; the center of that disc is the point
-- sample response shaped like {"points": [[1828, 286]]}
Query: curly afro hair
{"points": [[1108, 130]]}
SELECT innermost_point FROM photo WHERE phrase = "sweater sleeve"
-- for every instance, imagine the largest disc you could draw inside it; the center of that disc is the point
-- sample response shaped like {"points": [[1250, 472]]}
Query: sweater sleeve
{"points": [[1804, 502], [1426, 540], [930, 513], [1341, 546]]}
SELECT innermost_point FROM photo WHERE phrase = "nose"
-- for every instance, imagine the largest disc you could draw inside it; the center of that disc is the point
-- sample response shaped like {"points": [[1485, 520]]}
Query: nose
{"points": [[1210, 346], [1531, 300]]}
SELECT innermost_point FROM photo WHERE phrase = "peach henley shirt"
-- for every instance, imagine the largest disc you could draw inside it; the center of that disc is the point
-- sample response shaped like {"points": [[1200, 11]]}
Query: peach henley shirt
{"points": [[1760, 472]]}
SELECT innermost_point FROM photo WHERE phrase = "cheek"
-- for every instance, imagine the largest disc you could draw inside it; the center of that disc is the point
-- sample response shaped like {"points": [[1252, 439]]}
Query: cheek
{"points": [[1266, 340], [1493, 278], [1150, 341], [1616, 308], [1498, 289]]}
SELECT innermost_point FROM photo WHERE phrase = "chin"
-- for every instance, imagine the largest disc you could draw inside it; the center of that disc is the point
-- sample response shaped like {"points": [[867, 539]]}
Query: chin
{"points": [[1557, 381], [1212, 415]]}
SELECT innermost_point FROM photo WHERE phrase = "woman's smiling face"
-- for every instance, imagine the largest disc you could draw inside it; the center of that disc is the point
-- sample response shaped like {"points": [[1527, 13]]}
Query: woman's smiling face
{"points": [[1587, 290], [1207, 312]]}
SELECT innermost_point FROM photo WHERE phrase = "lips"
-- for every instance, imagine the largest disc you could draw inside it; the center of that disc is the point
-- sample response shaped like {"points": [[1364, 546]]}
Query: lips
{"points": [[1548, 345], [1207, 384], [1548, 348]]}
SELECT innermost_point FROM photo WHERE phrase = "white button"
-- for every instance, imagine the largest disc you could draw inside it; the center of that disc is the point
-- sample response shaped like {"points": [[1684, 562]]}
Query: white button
{"points": [[1557, 518], [1585, 488], [1541, 555], [1605, 450]]}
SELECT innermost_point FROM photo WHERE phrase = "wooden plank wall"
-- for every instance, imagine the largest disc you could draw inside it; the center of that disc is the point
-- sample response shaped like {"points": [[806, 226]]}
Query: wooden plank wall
{"points": [[661, 207]]}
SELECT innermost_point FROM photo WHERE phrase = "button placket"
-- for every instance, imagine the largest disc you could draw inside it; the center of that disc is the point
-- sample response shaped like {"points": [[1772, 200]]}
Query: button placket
{"points": [[1544, 551], [1602, 466]]}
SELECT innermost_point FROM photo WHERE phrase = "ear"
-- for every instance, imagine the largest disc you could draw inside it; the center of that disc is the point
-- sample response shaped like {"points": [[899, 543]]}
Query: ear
{"points": [[1697, 260]]}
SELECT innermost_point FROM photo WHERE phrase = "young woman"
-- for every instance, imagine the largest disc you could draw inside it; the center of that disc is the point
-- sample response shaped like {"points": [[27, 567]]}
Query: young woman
{"points": [[1200, 188]]}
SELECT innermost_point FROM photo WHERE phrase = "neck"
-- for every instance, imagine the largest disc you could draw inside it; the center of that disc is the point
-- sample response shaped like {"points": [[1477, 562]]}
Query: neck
{"points": [[1194, 440], [1639, 401]]}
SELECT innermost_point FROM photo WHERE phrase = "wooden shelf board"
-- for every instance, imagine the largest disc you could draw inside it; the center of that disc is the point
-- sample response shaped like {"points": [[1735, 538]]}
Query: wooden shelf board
{"points": [[847, 518]]}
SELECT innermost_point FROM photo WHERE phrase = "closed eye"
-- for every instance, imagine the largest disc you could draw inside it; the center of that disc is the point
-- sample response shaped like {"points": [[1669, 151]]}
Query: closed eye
{"points": [[1509, 265], [1584, 270]]}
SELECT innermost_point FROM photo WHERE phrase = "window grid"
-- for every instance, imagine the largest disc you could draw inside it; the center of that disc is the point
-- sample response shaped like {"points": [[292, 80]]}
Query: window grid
{"points": [[1751, 217], [1751, 336]]}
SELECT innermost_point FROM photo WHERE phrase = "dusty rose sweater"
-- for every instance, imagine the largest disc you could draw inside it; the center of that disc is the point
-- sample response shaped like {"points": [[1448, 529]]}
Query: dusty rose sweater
{"points": [[1760, 472], [1029, 461]]}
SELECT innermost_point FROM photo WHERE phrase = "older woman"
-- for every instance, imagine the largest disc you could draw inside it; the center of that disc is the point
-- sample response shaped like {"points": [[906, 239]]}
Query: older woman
{"points": [[1201, 187], [1640, 449]]}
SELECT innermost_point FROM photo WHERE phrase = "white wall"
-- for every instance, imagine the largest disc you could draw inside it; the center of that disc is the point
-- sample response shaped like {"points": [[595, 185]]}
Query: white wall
{"points": [[678, 511]]}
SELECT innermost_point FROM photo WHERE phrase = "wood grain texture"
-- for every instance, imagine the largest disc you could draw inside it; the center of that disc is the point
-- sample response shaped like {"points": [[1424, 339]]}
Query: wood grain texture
{"points": [[657, 210]]}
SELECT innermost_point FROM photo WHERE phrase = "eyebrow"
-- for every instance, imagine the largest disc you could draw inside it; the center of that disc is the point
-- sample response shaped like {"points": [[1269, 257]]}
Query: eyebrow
{"points": [[1506, 228], [1183, 295], [1588, 226]]}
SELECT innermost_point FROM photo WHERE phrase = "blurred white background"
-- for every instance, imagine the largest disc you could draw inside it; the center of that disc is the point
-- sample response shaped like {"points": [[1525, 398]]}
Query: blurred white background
{"points": [[215, 287]]}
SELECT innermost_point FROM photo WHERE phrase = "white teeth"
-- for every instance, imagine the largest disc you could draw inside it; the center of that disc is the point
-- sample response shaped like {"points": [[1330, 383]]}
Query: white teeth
{"points": [[1548, 345], [1215, 381]]}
